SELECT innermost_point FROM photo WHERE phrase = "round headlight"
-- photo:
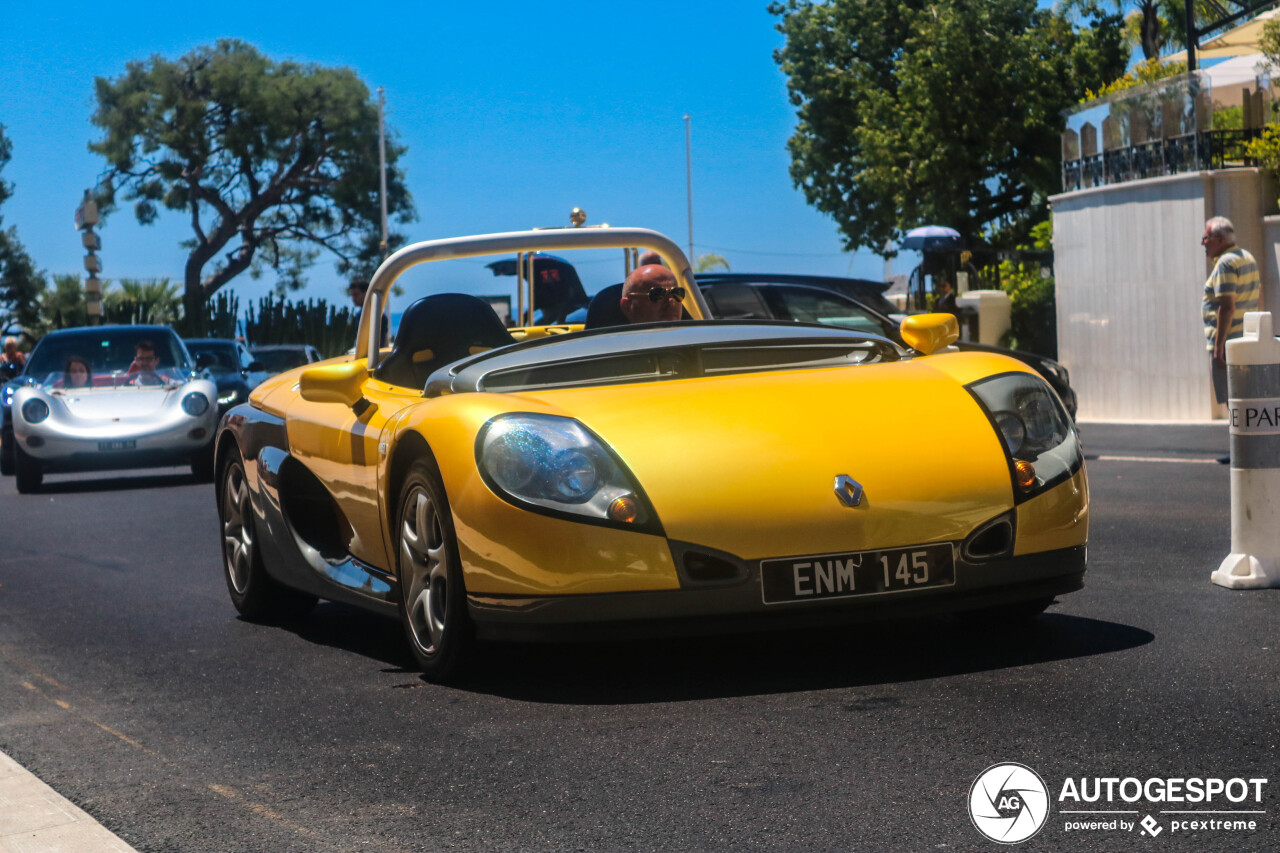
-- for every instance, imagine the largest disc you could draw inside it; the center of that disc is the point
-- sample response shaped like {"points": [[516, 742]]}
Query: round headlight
{"points": [[1040, 419], [516, 458], [553, 463], [34, 411], [573, 476], [195, 404], [1011, 430]]}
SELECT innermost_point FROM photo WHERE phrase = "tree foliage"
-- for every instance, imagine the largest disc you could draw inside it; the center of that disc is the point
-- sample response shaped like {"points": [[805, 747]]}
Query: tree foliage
{"points": [[1147, 71], [272, 162], [20, 282], [710, 262], [939, 111]]}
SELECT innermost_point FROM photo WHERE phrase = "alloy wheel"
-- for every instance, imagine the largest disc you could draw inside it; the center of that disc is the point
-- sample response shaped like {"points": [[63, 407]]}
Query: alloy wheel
{"points": [[424, 569], [237, 529]]}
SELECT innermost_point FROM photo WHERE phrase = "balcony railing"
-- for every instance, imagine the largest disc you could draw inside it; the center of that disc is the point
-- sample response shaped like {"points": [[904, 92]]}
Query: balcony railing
{"points": [[1191, 152]]}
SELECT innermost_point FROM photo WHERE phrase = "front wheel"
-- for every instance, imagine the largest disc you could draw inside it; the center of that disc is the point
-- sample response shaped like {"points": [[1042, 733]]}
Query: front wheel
{"points": [[433, 599], [28, 471], [202, 464], [255, 594], [6, 455]]}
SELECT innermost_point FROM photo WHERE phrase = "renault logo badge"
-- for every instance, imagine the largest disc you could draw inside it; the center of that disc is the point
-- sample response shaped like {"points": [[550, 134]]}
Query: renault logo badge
{"points": [[848, 490]]}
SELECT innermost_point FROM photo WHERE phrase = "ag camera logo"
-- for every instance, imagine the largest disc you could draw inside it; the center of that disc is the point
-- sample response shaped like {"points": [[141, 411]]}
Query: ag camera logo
{"points": [[1008, 803]]}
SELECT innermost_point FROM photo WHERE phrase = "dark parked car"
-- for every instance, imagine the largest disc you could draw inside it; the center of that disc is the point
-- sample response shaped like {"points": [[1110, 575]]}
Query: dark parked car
{"points": [[277, 358], [231, 367], [812, 299]]}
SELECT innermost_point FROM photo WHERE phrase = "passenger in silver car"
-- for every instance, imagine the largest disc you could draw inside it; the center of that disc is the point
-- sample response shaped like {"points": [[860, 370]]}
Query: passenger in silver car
{"points": [[77, 373]]}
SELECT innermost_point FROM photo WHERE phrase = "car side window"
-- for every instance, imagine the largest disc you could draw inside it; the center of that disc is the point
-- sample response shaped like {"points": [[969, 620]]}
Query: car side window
{"points": [[732, 301], [805, 305]]}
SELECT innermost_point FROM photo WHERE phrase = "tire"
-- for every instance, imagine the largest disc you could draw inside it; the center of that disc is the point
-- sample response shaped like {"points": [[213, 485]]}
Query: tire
{"points": [[255, 594], [433, 598], [202, 465], [28, 472], [6, 455]]}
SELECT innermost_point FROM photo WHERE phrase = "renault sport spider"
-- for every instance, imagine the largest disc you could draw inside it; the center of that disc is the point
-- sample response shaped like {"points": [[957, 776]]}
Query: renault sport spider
{"points": [[476, 481]]}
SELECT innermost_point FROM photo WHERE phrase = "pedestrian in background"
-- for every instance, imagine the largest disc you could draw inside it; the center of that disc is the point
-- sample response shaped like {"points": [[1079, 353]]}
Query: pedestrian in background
{"points": [[357, 290], [1231, 290], [11, 354]]}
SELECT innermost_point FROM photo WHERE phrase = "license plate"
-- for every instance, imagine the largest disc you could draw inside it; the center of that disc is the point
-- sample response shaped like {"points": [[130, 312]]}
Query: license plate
{"points": [[824, 576], [118, 445]]}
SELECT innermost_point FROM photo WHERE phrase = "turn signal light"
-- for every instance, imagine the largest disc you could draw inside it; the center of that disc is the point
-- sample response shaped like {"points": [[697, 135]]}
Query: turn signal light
{"points": [[1025, 473], [624, 509]]}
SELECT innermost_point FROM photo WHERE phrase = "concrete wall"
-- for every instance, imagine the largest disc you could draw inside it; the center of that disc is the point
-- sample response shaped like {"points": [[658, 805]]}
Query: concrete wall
{"points": [[1130, 271]]}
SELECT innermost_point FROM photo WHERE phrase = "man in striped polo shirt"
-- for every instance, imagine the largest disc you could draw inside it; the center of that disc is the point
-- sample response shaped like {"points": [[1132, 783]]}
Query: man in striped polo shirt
{"points": [[1231, 289]]}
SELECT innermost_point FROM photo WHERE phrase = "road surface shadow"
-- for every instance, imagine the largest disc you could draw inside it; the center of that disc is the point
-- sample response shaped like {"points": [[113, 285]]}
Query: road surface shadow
{"points": [[717, 667], [666, 670], [110, 483]]}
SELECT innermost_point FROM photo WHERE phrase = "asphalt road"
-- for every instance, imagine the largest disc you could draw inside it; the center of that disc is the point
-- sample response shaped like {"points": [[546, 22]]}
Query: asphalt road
{"points": [[128, 684]]}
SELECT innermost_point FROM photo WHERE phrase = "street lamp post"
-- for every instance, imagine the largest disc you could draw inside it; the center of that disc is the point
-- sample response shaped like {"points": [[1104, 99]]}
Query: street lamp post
{"points": [[382, 165], [86, 218], [688, 182]]}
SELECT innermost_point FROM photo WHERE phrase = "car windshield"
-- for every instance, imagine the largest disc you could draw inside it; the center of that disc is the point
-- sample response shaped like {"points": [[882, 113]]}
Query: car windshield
{"points": [[76, 380], [280, 360], [106, 351], [225, 359]]}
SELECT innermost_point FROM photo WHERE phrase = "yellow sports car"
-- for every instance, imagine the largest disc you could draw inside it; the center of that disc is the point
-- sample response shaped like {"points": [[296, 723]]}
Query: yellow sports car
{"points": [[484, 482]]}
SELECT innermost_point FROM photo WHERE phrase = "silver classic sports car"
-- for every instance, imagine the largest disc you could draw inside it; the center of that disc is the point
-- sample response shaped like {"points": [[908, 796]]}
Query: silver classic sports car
{"points": [[111, 397]]}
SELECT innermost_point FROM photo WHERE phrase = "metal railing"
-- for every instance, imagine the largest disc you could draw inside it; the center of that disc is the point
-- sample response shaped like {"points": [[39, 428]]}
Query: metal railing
{"points": [[1192, 152]]}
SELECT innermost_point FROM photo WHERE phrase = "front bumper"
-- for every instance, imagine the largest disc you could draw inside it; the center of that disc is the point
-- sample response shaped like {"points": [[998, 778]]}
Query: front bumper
{"points": [[739, 606], [174, 443]]}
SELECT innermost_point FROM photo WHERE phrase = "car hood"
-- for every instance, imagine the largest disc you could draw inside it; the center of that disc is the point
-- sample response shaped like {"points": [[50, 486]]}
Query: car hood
{"points": [[748, 464], [117, 403]]}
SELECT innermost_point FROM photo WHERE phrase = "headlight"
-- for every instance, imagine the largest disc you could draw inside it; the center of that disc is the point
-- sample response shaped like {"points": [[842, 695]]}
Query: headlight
{"points": [[1041, 444], [555, 465], [228, 398], [195, 404], [35, 410], [6, 395]]}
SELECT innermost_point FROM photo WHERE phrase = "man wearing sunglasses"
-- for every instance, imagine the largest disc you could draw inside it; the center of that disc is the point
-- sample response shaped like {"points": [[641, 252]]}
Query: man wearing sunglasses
{"points": [[650, 295]]}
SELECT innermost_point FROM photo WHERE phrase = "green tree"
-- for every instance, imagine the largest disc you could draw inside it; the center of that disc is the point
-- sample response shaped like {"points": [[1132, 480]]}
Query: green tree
{"points": [[61, 307], [946, 111], [20, 282], [272, 162], [142, 301], [710, 261]]}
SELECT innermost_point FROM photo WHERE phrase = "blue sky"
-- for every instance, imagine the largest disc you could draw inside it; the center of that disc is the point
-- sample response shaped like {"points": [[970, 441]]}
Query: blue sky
{"points": [[513, 113]]}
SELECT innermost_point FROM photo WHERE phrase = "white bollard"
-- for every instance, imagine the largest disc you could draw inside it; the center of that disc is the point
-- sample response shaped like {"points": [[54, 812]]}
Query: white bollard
{"points": [[1253, 391]]}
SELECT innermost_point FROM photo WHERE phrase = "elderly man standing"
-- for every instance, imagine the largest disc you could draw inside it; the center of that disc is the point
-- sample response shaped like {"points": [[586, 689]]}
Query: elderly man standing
{"points": [[1231, 289], [651, 295]]}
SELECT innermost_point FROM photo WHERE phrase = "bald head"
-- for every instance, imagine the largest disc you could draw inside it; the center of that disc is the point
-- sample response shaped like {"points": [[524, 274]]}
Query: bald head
{"points": [[641, 300]]}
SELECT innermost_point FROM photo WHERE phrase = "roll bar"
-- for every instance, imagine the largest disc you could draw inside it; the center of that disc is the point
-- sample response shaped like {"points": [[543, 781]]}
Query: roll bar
{"points": [[556, 239]]}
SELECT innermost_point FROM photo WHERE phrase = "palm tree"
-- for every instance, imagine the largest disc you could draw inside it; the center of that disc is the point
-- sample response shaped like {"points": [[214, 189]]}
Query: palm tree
{"points": [[143, 301]]}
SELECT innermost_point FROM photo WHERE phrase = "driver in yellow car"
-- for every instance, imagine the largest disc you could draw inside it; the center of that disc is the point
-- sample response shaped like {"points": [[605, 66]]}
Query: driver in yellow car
{"points": [[651, 295]]}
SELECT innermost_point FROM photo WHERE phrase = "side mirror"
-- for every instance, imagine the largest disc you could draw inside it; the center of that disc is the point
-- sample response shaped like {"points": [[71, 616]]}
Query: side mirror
{"points": [[205, 359], [928, 333], [334, 383], [255, 367]]}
